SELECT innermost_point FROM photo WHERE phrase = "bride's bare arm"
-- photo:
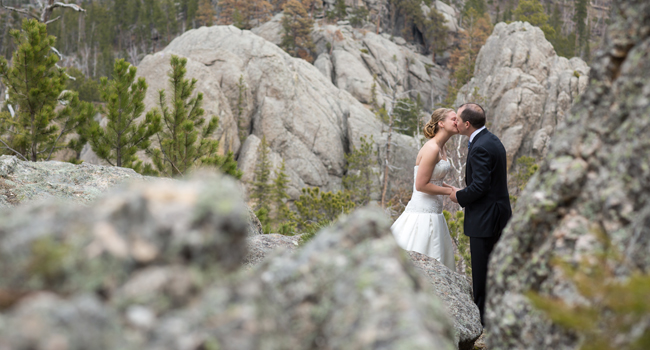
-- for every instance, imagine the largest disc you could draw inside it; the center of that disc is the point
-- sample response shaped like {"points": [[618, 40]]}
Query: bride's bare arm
{"points": [[427, 163]]}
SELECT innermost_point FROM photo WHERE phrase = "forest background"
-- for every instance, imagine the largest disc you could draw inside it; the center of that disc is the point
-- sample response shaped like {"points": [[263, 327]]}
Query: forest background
{"points": [[109, 31]]}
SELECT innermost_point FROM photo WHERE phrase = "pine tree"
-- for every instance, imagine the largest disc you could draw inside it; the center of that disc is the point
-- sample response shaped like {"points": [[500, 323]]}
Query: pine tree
{"points": [[361, 176], [477, 5], [435, 32], [279, 194], [587, 50], [532, 11], [88, 89], [261, 192], [206, 13], [564, 44], [312, 6], [35, 87], [407, 115], [124, 135], [244, 14], [340, 9], [463, 58], [182, 147], [296, 28], [580, 18]]}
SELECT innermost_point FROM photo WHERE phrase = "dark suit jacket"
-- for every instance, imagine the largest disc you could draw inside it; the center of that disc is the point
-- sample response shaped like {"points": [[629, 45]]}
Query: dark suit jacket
{"points": [[485, 199]]}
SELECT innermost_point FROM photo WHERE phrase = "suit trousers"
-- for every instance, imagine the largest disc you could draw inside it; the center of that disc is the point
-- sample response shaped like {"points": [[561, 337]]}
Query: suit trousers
{"points": [[480, 249]]}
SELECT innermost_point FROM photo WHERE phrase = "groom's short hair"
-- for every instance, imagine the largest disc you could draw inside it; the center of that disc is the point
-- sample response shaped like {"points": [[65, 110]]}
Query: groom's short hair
{"points": [[474, 114]]}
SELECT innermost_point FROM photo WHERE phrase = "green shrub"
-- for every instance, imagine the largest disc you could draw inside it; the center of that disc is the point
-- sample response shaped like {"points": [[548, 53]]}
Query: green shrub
{"points": [[455, 224], [316, 208]]}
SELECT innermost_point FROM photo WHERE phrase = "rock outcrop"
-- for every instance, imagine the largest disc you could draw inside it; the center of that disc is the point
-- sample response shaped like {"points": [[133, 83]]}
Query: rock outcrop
{"points": [[359, 58], [154, 265], [257, 89], [525, 88], [594, 182], [23, 182], [32, 182], [355, 58]]}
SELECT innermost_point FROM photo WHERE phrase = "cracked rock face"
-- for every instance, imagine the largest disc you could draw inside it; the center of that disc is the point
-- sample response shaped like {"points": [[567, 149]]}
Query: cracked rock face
{"points": [[596, 179], [257, 90], [360, 57], [525, 88]]}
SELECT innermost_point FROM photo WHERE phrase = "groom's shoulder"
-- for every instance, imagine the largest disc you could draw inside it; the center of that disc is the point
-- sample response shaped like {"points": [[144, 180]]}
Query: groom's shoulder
{"points": [[495, 141], [491, 140], [487, 137]]}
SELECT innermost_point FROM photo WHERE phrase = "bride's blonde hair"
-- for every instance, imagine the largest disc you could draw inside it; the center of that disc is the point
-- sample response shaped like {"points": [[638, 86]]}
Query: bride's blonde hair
{"points": [[432, 128]]}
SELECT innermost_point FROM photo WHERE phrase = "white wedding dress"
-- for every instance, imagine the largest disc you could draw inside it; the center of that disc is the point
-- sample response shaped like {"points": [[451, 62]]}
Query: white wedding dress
{"points": [[422, 227]]}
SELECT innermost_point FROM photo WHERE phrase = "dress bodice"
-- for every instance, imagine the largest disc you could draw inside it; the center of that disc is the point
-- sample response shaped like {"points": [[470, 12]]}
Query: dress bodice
{"points": [[439, 172], [426, 203]]}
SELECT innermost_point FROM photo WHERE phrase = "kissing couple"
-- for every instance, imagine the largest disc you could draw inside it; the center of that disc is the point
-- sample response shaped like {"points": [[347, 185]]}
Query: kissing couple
{"points": [[422, 227]]}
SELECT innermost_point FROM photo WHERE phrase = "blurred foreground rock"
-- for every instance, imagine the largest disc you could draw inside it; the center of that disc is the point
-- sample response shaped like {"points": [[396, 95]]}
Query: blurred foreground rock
{"points": [[595, 182], [456, 294], [154, 265], [453, 288]]}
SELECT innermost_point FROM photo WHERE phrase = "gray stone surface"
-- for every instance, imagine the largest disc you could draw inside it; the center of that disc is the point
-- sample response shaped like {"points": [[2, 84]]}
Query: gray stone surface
{"points": [[360, 57], [456, 294], [307, 121], [117, 275], [258, 247], [594, 180], [30, 182], [525, 88], [23, 182]]}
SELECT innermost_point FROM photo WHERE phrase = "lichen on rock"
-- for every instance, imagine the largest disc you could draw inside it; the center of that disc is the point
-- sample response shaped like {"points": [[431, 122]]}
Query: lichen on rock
{"points": [[594, 182]]}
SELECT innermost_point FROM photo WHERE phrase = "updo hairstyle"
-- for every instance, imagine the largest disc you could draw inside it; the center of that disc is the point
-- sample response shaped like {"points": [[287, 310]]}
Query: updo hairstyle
{"points": [[432, 127]]}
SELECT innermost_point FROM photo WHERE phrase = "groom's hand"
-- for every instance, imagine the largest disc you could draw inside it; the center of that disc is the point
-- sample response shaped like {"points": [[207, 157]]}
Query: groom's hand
{"points": [[452, 195]]}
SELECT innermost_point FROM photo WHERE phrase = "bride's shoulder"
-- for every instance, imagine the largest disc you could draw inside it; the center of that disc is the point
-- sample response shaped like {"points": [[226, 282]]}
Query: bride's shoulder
{"points": [[431, 146], [430, 150]]}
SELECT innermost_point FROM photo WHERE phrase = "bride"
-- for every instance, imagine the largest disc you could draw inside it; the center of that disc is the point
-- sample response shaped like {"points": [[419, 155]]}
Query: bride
{"points": [[422, 227]]}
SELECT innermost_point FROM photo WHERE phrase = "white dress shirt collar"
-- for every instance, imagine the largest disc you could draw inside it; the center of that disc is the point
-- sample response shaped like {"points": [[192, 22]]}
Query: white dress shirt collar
{"points": [[471, 137]]}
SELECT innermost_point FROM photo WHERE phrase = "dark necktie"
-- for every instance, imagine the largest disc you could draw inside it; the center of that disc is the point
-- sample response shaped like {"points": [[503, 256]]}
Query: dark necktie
{"points": [[468, 143]]}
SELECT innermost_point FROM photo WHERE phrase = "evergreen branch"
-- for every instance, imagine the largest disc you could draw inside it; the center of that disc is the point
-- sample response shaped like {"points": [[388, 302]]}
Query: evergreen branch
{"points": [[13, 150], [165, 155]]}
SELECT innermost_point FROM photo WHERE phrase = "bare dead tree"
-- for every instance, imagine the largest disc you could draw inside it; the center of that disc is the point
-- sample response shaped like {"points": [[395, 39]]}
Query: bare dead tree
{"points": [[46, 9]]}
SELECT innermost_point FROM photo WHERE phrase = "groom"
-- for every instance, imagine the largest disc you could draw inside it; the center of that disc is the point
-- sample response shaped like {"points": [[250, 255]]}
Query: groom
{"points": [[485, 199]]}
